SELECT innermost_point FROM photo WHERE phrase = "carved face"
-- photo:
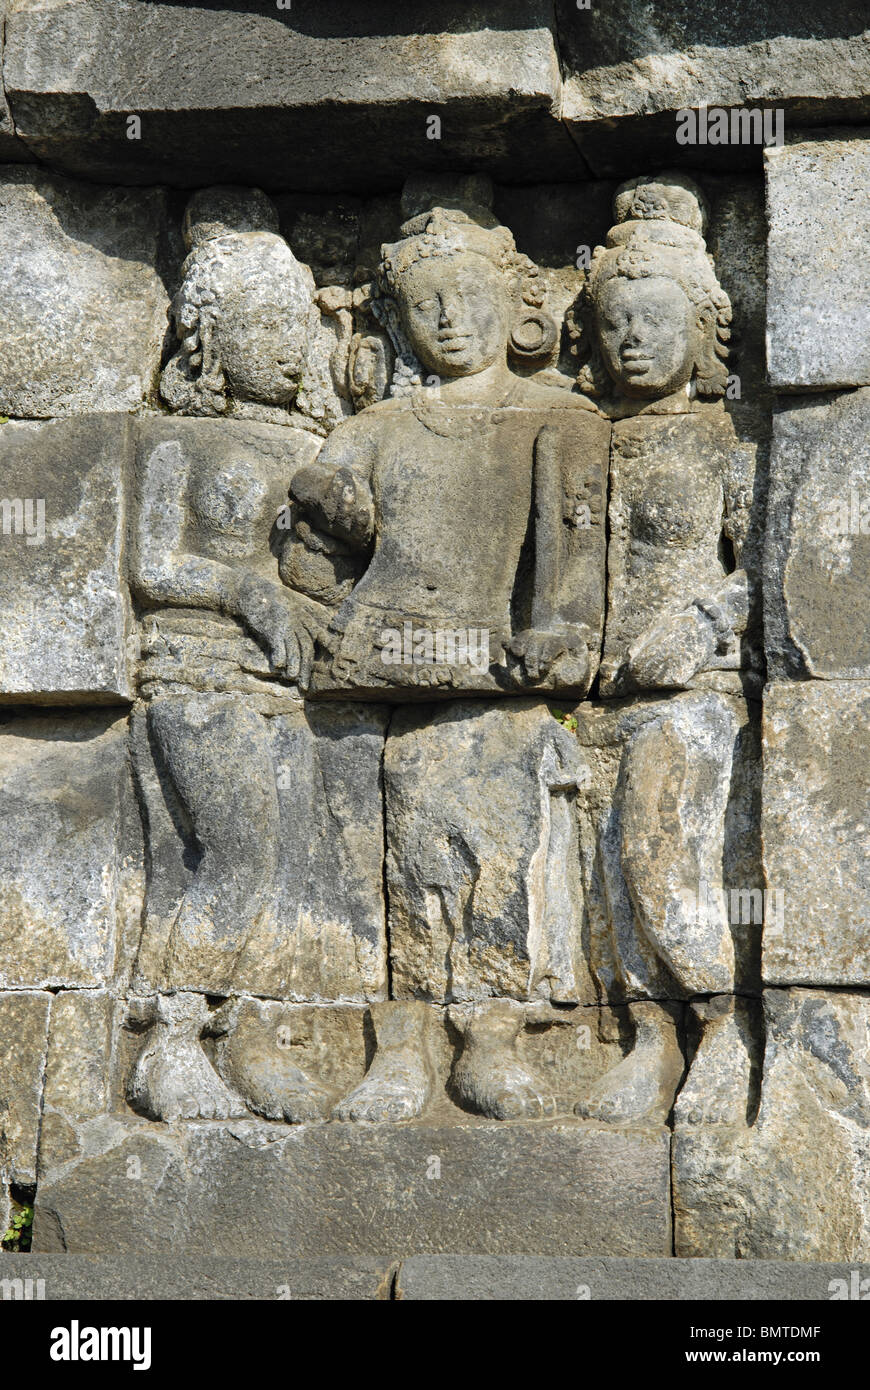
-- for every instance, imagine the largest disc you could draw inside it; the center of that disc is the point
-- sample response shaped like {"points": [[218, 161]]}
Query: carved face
{"points": [[263, 328], [648, 332], [455, 311]]}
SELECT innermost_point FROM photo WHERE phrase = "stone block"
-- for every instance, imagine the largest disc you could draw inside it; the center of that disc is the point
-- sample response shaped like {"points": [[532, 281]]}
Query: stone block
{"points": [[628, 71], [562, 1188], [795, 1183], [482, 859], [334, 79], [817, 549], [93, 1278], [77, 1071], [10, 145], [818, 205], [70, 868], [472, 1278], [816, 751], [659, 464], [63, 600], [321, 936], [669, 844], [82, 304], [23, 1043]]}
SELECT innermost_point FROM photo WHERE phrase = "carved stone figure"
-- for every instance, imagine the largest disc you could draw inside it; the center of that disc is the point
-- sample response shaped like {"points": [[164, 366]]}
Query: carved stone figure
{"points": [[472, 505], [679, 605], [226, 644], [469, 509]]}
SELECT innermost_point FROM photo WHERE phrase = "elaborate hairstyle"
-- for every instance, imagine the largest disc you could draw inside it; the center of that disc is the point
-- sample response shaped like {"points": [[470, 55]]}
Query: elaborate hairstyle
{"points": [[445, 232], [658, 232], [232, 237]]}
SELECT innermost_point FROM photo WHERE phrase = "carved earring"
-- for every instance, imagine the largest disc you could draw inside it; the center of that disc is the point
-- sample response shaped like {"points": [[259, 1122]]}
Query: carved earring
{"points": [[533, 336]]}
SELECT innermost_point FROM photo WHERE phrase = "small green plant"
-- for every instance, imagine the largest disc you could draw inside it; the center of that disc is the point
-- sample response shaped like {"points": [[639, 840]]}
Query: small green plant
{"points": [[568, 721], [17, 1238], [4, 419]]}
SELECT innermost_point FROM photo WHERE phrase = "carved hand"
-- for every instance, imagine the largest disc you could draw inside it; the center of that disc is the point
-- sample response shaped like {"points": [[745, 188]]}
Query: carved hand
{"points": [[539, 651], [337, 502], [286, 624], [673, 650]]}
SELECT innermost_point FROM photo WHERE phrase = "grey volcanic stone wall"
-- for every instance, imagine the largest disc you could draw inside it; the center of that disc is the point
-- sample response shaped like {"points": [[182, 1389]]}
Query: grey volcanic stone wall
{"points": [[434, 678]]}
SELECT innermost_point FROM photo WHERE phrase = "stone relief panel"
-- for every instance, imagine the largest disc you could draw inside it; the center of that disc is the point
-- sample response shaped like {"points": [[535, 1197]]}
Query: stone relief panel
{"points": [[425, 582]]}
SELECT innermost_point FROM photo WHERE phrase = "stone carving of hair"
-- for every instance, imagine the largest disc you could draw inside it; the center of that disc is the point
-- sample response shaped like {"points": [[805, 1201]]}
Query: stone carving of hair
{"points": [[232, 238], [444, 232], [658, 232]]}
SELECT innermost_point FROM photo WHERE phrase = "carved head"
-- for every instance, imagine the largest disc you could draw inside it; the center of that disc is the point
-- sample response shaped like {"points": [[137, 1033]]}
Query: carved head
{"points": [[245, 311], [656, 317], [453, 291]]}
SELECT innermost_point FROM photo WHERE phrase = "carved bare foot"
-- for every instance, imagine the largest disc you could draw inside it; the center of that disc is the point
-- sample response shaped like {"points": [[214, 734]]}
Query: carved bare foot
{"points": [[173, 1078], [272, 1086], [489, 1077], [641, 1087], [716, 1090], [398, 1083], [253, 1057]]}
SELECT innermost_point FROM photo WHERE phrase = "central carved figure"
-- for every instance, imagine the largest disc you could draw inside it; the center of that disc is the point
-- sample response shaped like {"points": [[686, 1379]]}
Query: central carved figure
{"points": [[472, 500], [455, 504]]}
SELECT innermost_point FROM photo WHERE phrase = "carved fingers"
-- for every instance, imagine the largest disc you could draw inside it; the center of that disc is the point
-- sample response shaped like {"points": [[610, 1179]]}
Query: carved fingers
{"points": [[539, 651], [673, 650]]}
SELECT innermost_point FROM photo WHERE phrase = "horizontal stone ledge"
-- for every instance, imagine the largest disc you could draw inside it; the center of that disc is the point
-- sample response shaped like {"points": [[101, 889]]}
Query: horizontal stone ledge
{"points": [[389, 1190], [284, 100], [32, 1278], [420, 1278], [628, 68], [544, 1277]]}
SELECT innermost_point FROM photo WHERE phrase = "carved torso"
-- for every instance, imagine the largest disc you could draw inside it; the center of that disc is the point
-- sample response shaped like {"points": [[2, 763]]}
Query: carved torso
{"points": [[667, 508]]}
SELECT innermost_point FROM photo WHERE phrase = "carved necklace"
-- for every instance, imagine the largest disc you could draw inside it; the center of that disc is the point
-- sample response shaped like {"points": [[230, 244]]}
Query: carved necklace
{"points": [[454, 421]]}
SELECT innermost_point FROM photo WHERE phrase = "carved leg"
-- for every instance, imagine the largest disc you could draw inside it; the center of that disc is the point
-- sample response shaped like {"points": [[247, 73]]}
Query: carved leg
{"points": [[173, 1078], [717, 1087], [642, 1086], [216, 752], [398, 1083], [676, 785], [490, 1077]]}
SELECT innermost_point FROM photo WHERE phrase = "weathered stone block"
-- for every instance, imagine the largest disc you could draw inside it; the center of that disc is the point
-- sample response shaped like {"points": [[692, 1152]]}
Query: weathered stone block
{"points": [[669, 844], [70, 873], [10, 145], [817, 550], [563, 1188], [482, 859], [23, 1043], [795, 1184], [77, 1071], [331, 79], [816, 750], [522, 1278], [63, 602], [628, 71], [671, 476], [818, 200], [321, 934], [82, 304], [198, 1277]]}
